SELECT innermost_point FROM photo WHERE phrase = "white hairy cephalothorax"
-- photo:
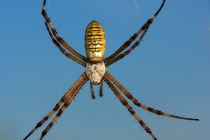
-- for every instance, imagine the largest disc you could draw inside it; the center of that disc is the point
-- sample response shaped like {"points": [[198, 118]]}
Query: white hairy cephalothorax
{"points": [[95, 72]]}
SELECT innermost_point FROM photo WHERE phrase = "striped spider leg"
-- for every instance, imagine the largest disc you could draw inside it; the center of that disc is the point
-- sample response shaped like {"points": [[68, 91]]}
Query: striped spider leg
{"points": [[130, 97], [114, 84], [125, 103], [58, 38], [69, 55], [64, 102], [117, 56]]}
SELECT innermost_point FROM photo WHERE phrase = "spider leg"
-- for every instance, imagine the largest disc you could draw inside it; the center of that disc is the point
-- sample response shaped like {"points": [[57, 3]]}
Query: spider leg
{"points": [[122, 55], [101, 89], [92, 91], [58, 38], [130, 109], [75, 91], [129, 96], [63, 50], [132, 38], [57, 106]]}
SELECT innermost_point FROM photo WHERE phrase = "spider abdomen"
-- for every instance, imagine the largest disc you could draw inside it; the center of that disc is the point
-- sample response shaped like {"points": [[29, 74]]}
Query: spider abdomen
{"points": [[95, 72], [95, 43]]}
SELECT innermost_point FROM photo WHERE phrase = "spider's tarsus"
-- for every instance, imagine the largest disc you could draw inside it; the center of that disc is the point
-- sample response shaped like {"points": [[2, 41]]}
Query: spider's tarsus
{"points": [[93, 97]]}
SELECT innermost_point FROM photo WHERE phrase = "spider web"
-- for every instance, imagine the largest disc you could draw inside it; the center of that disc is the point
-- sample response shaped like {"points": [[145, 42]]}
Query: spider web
{"points": [[170, 66]]}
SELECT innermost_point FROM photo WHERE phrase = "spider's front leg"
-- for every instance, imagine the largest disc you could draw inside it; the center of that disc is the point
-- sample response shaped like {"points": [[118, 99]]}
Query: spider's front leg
{"points": [[137, 103], [65, 97], [76, 89], [129, 108]]}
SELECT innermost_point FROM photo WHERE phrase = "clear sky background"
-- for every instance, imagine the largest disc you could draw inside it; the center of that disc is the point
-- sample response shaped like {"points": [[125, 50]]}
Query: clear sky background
{"points": [[169, 71]]}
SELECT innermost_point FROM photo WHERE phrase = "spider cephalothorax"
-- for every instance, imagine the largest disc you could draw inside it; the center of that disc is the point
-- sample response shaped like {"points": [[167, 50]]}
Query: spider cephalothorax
{"points": [[96, 72]]}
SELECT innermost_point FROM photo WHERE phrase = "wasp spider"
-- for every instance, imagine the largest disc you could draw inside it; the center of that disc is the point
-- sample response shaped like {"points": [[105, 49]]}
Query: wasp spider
{"points": [[96, 72]]}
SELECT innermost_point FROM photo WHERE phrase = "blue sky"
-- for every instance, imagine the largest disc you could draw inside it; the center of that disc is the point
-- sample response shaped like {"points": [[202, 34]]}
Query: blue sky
{"points": [[169, 71]]}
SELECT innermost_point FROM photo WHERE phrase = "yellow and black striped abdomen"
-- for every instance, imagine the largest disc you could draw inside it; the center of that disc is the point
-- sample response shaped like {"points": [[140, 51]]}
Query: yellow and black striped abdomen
{"points": [[95, 43]]}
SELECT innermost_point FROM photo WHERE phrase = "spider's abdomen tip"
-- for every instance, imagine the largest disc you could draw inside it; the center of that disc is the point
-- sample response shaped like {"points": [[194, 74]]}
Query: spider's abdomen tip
{"points": [[94, 21]]}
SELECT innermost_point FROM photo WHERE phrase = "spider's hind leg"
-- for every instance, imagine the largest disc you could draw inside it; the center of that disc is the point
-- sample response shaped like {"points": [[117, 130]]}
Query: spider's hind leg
{"points": [[59, 39], [69, 55]]}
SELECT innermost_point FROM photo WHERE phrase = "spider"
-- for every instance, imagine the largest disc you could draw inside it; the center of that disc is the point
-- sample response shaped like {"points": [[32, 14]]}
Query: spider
{"points": [[96, 72]]}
